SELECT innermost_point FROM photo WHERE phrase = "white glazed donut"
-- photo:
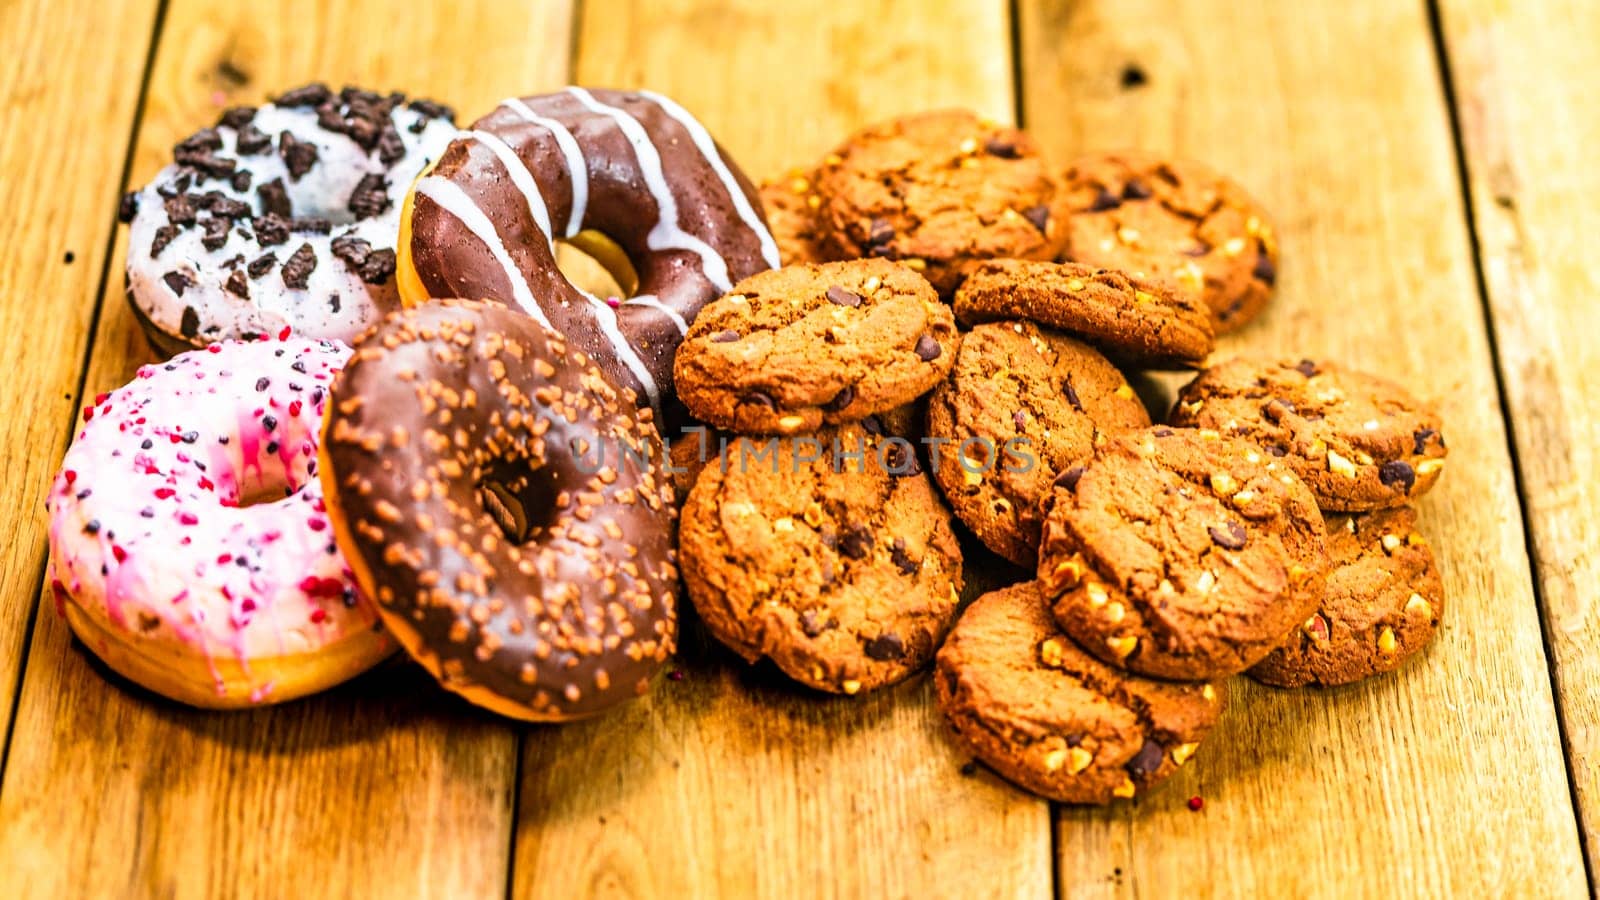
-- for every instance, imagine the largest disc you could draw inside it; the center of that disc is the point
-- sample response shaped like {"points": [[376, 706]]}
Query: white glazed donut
{"points": [[190, 547], [279, 217]]}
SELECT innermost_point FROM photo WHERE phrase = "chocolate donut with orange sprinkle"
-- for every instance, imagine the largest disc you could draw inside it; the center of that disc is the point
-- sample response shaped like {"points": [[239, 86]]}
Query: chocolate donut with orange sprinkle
{"points": [[496, 495]]}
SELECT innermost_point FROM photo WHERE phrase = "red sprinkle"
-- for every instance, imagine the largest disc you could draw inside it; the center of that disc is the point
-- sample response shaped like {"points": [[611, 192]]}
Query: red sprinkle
{"points": [[317, 616], [188, 518], [119, 553], [294, 407], [284, 334], [224, 558], [72, 476], [88, 413], [206, 485], [101, 398], [163, 493], [313, 586], [316, 524], [1196, 802], [214, 348]]}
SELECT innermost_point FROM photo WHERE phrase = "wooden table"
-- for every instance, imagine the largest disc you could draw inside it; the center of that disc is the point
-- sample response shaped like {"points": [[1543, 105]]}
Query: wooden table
{"points": [[1431, 167]]}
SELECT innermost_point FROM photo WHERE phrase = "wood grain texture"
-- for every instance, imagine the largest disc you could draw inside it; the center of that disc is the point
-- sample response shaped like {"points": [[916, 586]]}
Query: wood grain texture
{"points": [[384, 787], [55, 187], [732, 782], [1526, 97], [1447, 778]]}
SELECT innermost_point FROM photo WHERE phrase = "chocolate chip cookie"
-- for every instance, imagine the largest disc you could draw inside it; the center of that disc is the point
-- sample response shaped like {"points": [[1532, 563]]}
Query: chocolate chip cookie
{"points": [[1022, 405], [938, 191], [1042, 713], [1180, 554], [1140, 321], [1361, 442], [1173, 220], [790, 349], [791, 203], [843, 573], [1382, 605]]}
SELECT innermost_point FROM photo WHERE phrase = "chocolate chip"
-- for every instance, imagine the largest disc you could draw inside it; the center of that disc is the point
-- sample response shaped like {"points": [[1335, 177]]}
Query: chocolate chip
{"points": [[298, 156], [842, 297], [314, 94], [928, 349], [880, 232], [147, 513], [269, 422], [252, 141], [1229, 536], [189, 437], [1133, 77], [333, 302], [1019, 419], [969, 768], [298, 365], [298, 267], [814, 623], [310, 225], [1198, 248], [237, 117], [241, 181], [1306, 367], [275, 199], [1398, 475], [128, 208], [92, 527], [370, 198], [201, 141], [180, 210], [886, 647], [164, 236], [901, 460], [206, 162], [379, 267], [1161, 431], [261, 383], [178, 282], [391, 147], [1038, 216], [1136, 190], [237, 285], [262, 264], [757, 398], [1264, 269], [901, 560], [351, 249], [840, 400], [724, 337], [1147, 760], [431, 109], [227, 207], [1002, 148], [856, 542], [1105, 200], [216, 233], [189, 326], [1072, 394], [871, 425], [271, 229], [1419, 440], [1275, 450], [1069, 478]]}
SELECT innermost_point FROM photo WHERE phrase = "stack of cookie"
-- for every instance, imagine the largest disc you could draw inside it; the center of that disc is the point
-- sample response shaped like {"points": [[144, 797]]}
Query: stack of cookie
{"points": [[955, 313]]}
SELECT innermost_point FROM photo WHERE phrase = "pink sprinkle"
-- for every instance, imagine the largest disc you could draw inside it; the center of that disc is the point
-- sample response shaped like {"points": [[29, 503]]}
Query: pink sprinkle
{"points": [[188, 518], [316, 524], [218, 98], [613, 302], [224, 558]]}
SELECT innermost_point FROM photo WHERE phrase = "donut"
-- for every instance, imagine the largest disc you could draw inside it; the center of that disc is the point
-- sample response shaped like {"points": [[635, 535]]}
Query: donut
{"points": [[282, 216], [497, 496], [190, 547], [630, 177]]}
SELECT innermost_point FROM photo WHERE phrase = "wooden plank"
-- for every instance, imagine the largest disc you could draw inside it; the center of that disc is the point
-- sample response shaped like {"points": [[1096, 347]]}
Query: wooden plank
{"points": [[1446, 779], [1526, 97], [55, 187], [384, 787], [732, 783]]}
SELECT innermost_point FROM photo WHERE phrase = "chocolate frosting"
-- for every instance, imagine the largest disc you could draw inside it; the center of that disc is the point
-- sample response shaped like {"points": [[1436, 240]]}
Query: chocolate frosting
{"points": [[500, 498], [634, 167]]}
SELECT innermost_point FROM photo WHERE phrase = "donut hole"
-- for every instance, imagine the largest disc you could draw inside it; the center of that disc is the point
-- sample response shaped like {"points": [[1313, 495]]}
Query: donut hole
{"points": [[595, 263], [521, 501]]}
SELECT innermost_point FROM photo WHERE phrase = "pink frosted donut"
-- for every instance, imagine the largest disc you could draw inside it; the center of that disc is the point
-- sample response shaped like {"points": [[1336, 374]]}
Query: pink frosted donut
{"points": [[190, 547]]}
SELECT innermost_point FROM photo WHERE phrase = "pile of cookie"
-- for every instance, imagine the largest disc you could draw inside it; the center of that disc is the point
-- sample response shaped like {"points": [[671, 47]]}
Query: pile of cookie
{"points": [[947, 343]]}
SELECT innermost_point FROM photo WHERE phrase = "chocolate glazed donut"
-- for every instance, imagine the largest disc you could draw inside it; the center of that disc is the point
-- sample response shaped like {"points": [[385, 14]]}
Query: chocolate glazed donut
{"points": [[634, 168], [492, 492]]}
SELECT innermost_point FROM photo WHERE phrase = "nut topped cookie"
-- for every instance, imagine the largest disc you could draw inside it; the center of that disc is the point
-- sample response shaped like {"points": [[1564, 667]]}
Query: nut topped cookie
{"points": [[1361, 442], [1138, 320], [842, 572], [790, 349], [1382, 605], [1022, 405], [791, 203], [1179, 554], [1042, 713], [937, 191], [1178, 221]]}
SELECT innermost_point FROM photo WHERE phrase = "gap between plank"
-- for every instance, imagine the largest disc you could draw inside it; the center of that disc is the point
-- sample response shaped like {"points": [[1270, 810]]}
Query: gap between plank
{"points": [[83, 371], [1447, 80]]}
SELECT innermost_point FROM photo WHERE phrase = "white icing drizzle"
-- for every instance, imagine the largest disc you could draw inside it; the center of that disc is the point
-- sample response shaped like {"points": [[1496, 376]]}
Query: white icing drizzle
{"points": [[455, 201], [708, 149], [577, 166], [606, 318], [666, 234], [522, 178], [654, 302]]}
